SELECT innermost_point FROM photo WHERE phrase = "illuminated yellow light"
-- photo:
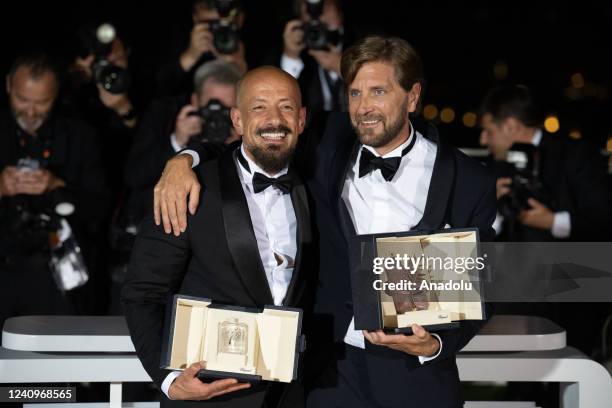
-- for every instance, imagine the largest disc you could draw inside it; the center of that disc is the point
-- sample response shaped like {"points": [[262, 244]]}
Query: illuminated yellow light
{"points": [[500, 70], [469, 119], [430, 112], [575, 134], [609, 145], [447, 115], [551, 124], [577, 80]]}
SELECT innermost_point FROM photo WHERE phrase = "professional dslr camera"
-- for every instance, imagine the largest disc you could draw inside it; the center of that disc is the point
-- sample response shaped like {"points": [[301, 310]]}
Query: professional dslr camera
{"points": [[316, 34], [98, 41], [216, 122], [39, 225], [522, 167], [226, 37]]}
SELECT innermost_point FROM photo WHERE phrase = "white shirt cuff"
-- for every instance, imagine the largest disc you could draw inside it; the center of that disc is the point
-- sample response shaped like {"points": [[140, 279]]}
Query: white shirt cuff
{"points": [[165, 387], [498, 223], [177, 147], [194, 155], [423, 359], [292, 66], [562, 226]]}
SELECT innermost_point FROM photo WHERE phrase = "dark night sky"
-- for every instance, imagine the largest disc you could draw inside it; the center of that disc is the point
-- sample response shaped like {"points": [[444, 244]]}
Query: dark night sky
{"points": [[542, 42]]}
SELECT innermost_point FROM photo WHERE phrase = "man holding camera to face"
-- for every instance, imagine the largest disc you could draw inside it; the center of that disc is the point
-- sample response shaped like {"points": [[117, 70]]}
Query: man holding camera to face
{"points": [[100, 91], [215, 35], [312, 48], [558, 191], [172, 124], [51, 190]]}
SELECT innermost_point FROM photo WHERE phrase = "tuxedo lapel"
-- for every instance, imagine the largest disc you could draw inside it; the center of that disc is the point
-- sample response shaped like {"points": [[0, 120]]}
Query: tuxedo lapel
{"points": [[304, 237], [343, 160], [441, 185], [239, 232]]}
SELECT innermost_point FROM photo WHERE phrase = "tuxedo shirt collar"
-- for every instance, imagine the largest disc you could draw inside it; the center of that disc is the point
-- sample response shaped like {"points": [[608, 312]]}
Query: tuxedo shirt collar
{"points": [[247, 176], [397, 152]]}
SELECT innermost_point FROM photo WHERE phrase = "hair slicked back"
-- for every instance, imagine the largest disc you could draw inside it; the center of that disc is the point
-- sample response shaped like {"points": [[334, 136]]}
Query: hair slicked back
{"points": [[396, 51]]}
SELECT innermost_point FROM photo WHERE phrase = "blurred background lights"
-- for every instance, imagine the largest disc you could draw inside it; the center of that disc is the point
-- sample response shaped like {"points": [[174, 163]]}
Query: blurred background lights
{"points": [[551, 124], [447, 115], [430, 112], [469, 119], [575, 134]]}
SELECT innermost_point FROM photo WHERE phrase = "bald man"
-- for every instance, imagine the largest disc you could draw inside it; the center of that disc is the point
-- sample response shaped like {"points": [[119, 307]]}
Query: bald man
{"points": [[248, 245]]}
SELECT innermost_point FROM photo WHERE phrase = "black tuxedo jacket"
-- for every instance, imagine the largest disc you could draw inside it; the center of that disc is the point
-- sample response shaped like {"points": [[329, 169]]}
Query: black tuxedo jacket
{"points": [[217, 258], [461, 194], [151, 148]]}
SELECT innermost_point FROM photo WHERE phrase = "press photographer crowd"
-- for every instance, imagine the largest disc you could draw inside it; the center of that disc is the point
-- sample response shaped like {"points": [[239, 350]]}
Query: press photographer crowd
{"points": [[97, 147]]}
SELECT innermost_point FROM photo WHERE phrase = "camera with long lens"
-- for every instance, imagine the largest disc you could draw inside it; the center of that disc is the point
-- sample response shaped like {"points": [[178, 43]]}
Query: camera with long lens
{"points": [[317, 34], [226, 37], [99, 42], [523, 170], [216, 122], [41, 226]]}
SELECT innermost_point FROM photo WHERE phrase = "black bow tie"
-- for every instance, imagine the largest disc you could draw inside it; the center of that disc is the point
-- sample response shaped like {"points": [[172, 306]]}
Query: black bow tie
{"points": [[261, 182], [388, 167]]}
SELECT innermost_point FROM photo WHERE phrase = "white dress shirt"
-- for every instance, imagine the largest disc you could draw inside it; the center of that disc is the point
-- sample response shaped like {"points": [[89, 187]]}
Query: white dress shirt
{"points": [[275, 226], [377, 206], [562, 222]]}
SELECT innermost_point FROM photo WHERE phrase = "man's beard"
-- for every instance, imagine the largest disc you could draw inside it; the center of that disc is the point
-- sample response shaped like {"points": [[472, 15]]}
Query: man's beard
{"points": [[272, 158], [31, 126], [369, 138]]}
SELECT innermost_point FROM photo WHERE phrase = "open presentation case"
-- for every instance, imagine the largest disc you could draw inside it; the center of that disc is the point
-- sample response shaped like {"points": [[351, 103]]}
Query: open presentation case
{"points": [[234, 342], [432, 279]]}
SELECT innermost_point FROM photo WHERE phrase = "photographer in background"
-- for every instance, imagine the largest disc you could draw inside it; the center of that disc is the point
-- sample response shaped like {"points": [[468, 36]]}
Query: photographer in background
{"points": [[559, 192], [215, 35], [171, 124], [312, 47], [98, 90], [51, 191]]}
